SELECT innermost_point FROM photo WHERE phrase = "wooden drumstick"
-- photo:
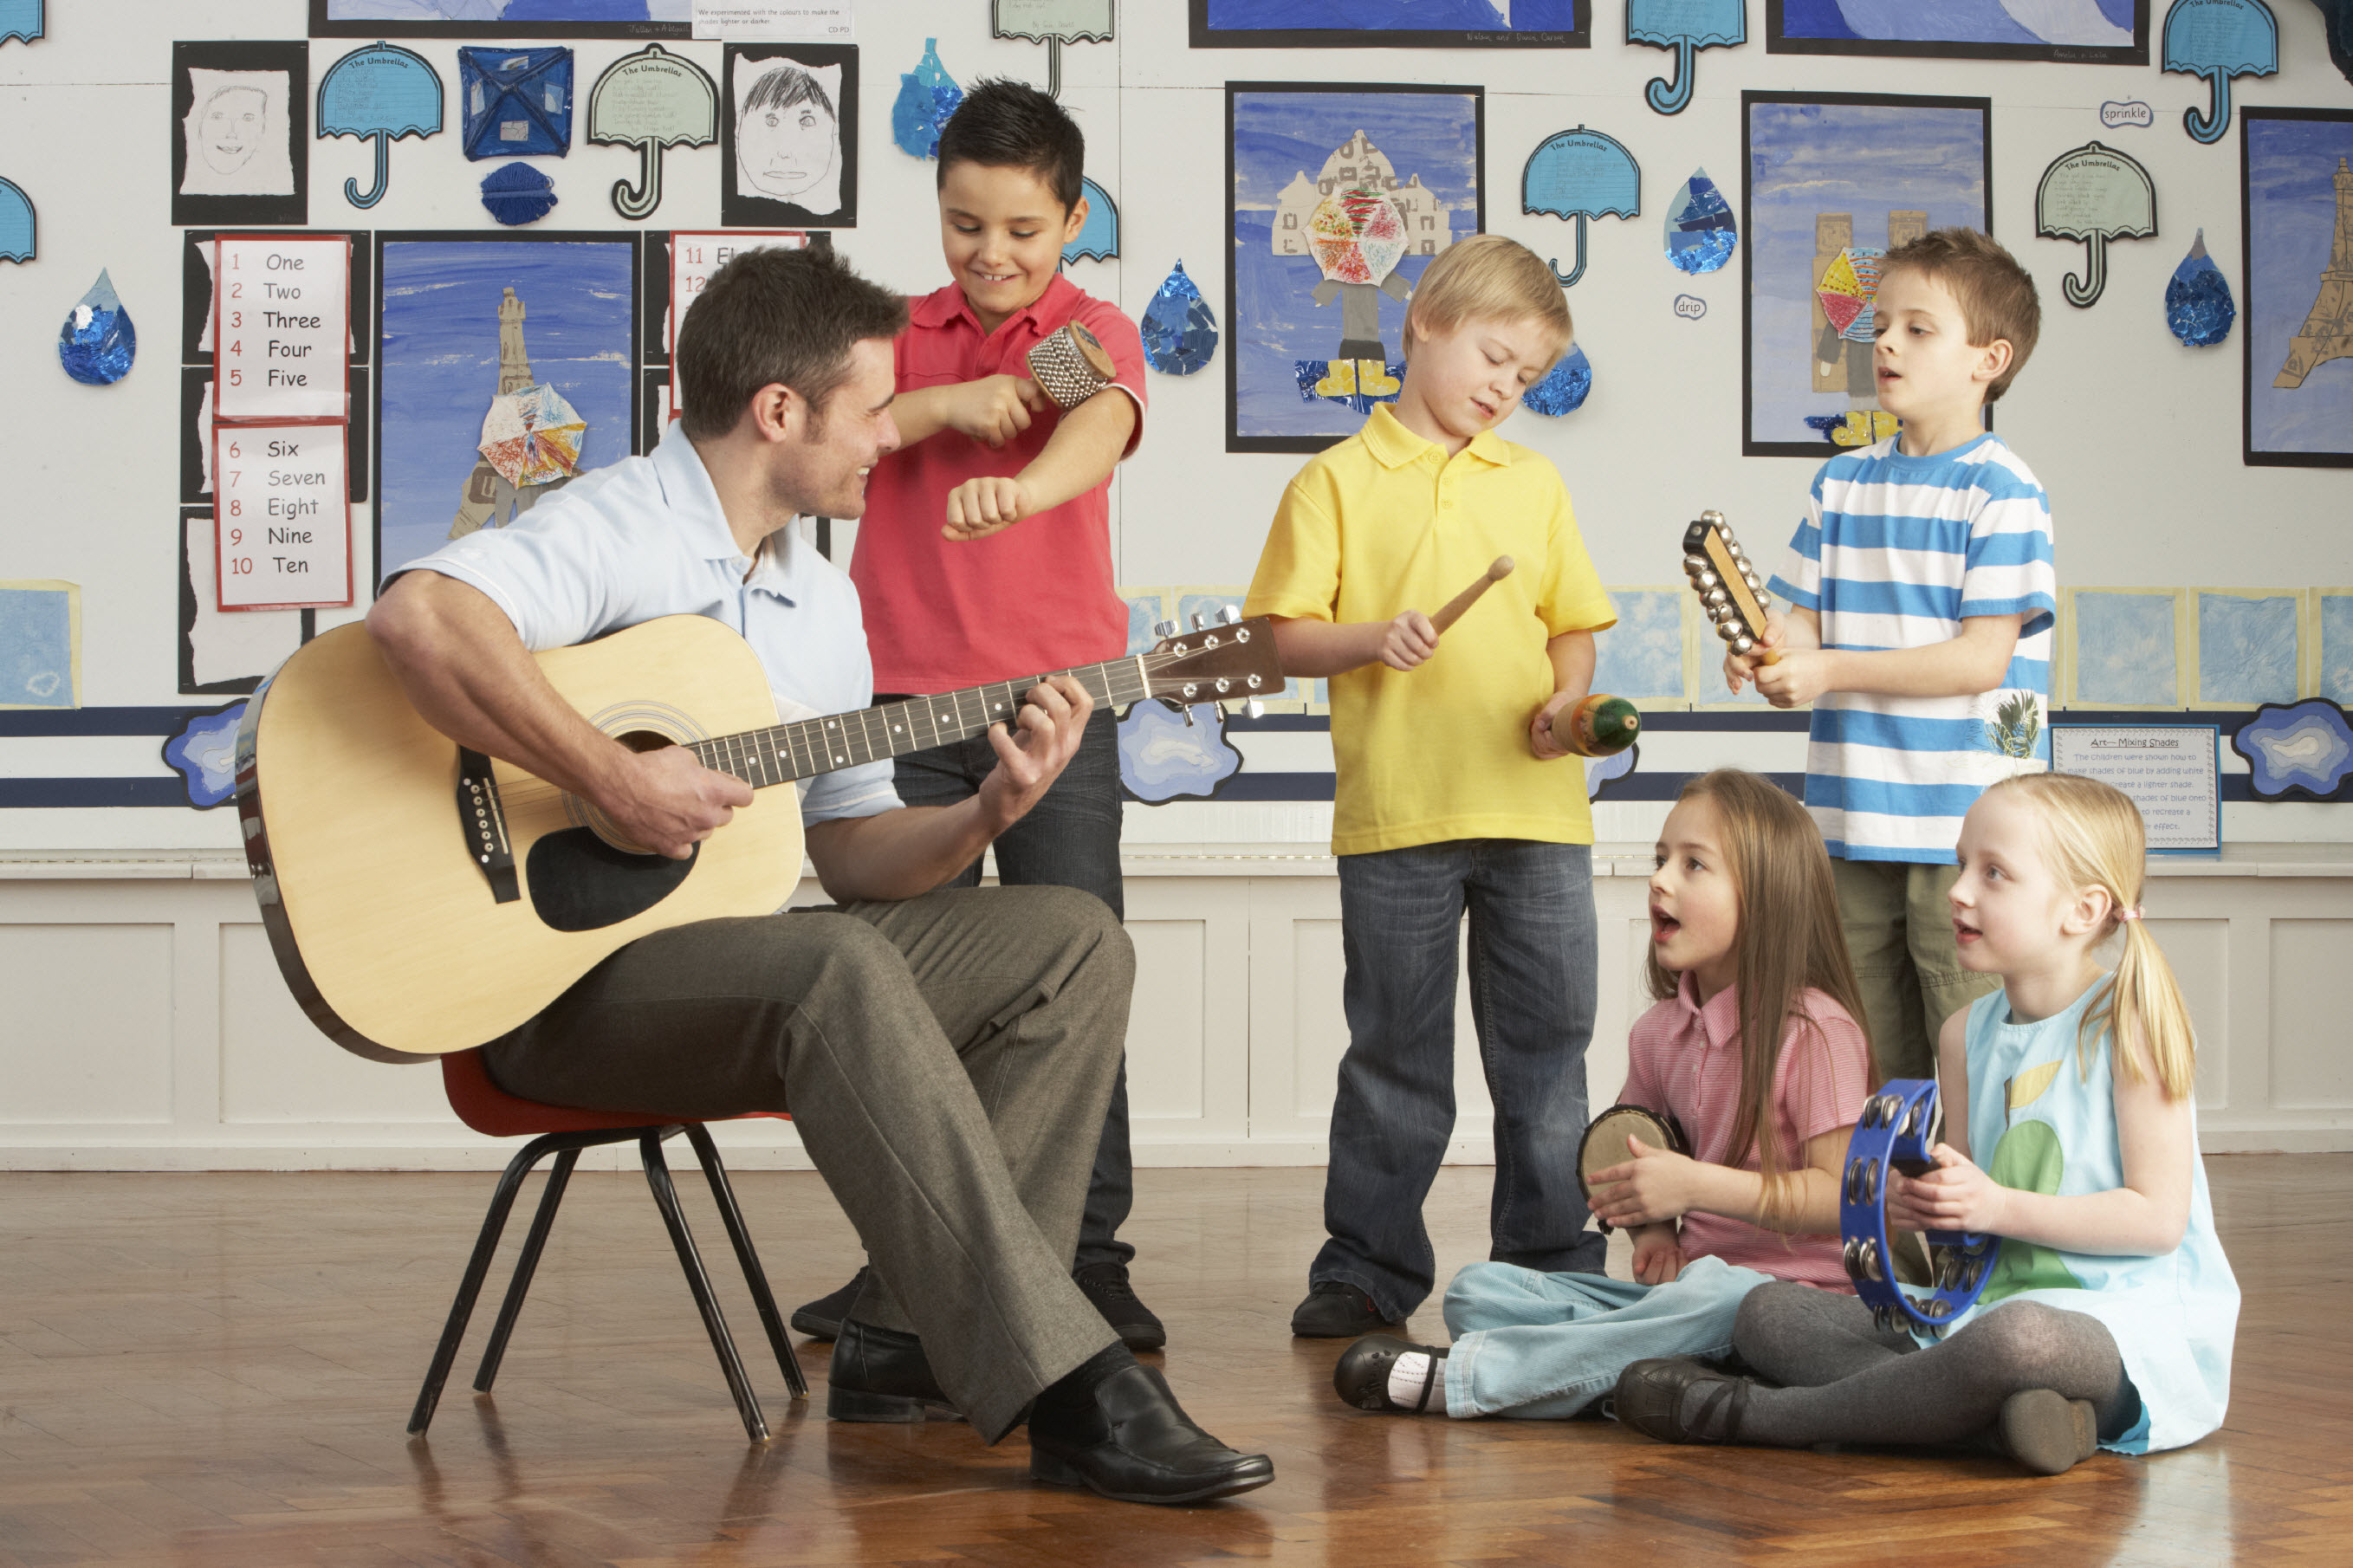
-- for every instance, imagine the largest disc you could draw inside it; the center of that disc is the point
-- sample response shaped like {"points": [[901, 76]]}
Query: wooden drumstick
{"points": [[1453, 609]]}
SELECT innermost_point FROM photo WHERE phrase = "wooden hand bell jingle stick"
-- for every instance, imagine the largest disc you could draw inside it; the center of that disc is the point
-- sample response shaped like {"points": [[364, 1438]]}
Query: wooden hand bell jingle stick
{"points": [[1728, 590], [1452, 610]]}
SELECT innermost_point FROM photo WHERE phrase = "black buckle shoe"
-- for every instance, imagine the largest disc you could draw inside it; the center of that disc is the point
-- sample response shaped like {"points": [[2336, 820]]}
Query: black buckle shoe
{"points": [[1107, 1290], [881, 1374], [1128, 1439], [1335, 1309], [1650, 1395], [821, 1319], [1361, 1377]]}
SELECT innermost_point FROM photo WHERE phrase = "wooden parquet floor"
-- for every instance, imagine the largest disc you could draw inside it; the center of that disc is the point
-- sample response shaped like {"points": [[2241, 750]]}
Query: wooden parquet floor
{"points": [[216, 1369]]}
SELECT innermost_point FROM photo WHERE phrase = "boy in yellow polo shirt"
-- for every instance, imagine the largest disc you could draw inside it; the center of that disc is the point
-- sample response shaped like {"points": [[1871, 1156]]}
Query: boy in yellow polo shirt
{"points": [[1450, 797]]}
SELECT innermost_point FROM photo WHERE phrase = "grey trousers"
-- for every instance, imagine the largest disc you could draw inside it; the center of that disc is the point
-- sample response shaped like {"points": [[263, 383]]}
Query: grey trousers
{"points": [[947, 1060]]}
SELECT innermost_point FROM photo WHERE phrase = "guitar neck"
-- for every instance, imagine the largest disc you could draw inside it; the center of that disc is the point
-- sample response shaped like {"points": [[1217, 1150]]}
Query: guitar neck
{"points": [[808, 747]]}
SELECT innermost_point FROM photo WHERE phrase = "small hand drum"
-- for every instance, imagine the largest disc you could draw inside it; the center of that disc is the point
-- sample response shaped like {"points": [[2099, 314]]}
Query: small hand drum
{"points": [[1605, 1142], [1071, 365], [1898, 1127]]}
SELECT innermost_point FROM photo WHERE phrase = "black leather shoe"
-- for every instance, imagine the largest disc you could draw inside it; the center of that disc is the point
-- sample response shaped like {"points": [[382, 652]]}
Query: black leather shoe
{"points": [[881, 1374], [1650, 1395], [1362, 1376], [821, 1319], [1335, 1309], [1128, 1439], [1106, 1289]]}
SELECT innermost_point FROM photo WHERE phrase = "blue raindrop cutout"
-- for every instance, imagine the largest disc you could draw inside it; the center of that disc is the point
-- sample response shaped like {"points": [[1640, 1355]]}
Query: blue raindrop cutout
{"points": [[1179, 333], [1701, 232], [1564, 389], [97, 342], [927, 96], [2198, 304]]}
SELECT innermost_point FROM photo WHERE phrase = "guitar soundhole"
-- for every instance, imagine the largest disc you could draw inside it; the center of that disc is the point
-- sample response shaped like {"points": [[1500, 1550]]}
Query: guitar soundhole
{"points": [[579, 882]]}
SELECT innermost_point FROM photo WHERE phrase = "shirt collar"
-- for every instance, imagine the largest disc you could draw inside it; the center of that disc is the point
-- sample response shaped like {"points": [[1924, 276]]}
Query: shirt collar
{"points": [[695, 512], [944, 305], [1719, 1015], [1395, 445]]}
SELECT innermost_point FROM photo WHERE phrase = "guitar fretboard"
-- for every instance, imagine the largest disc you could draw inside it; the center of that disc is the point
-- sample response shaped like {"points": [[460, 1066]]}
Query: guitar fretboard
{"points": [[808, 747]]}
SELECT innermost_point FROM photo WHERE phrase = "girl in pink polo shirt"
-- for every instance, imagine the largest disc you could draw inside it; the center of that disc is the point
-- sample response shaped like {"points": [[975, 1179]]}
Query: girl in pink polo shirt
{"points": [[1754, 1047]]}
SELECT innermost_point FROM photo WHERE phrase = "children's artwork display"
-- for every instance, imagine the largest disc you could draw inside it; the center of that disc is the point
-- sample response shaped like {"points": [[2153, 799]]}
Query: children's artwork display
{"points": [[1701, 229], [2198, 309], [40, 644], [2095, 195], [788, 162], [1179, 331], [1684, 27], [204, 751], [927, 96], [1098, 237], [1341, 195], [2296, 168], [2218, 39], [2124, 647], [1167, 754], [515, 103], [517, 194], [2332, 644], [1391, 24], [98, 340], [20, 227], [1832, 181], [1577, 174], [20, 20], [1564, 388], [224, 653], [2080, 31], [2250, 646], [1052, 23], [2301, 751], [466, 319], [380, 94], [241, 132], [651, 100], [501, 18]]}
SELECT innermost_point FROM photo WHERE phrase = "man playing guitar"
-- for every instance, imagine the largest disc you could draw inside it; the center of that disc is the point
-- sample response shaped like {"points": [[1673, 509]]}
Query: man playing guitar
{"points": [[946, 1055]]}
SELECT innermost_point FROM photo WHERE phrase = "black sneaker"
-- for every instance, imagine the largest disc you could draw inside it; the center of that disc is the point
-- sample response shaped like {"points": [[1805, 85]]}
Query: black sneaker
{"points": [[1335, 1309], [821, 1319], [1106, 1289]]}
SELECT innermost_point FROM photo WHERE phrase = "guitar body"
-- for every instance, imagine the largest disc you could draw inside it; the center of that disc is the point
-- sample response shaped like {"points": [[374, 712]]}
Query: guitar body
{"points": [[378, 909]]}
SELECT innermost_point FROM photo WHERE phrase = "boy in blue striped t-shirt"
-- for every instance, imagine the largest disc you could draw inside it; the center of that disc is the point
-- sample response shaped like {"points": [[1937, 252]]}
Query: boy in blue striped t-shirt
{"points": [[1922, 598]]}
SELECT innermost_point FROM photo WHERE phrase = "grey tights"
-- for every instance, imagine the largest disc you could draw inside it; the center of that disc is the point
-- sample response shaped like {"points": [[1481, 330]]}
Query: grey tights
{"points": [[1847, 1380]]}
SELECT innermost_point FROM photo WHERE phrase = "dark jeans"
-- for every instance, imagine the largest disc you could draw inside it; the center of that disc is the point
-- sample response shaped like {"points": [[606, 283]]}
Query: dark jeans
{"points": [[1532, 961], [1070, 839]]}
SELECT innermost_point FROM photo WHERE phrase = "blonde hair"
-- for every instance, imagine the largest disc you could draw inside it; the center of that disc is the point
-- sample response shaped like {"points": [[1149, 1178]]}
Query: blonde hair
{"points": [[1486, 277], [1790, 941], [2092, 833], [1995, 293]]}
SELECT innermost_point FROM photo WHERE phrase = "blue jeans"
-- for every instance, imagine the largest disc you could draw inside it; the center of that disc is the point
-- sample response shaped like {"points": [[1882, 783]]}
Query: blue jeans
{"points": [[1533, 958], [1070, 839], [1542, 1347]]}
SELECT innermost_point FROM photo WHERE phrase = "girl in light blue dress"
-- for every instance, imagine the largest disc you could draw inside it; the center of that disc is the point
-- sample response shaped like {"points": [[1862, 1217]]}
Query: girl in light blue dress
{"points": [[2071, 1133]]}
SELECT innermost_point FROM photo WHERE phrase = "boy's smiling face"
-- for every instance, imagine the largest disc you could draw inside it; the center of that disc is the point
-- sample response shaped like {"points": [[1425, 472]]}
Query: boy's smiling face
{"points": [[1002, 230], [1928, 371], [1469, 377]]}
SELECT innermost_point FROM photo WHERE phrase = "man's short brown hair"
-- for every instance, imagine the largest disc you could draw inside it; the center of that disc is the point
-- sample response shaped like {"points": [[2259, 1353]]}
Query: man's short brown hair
{"points": [[772, 318], [1995, 295]]}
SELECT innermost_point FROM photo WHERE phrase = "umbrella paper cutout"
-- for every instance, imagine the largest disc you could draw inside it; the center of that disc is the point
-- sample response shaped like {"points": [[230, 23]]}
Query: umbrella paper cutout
{"points": [[20, 20], [2218, 39], [1686, 27], [1099, 235], [382, 92], [1053, 24], [656, 100], [1578, 174], [2093, 193], [1357, 236], [1848, 292], [19, 229], [532, 437]]}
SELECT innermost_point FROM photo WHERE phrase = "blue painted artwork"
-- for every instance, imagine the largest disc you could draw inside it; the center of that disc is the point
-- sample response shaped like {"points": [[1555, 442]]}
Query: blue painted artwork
{"points": [[1336, 293], [2125, 652], [1098, 237], [463, 318], [2198, 309], [2218, 39], [514, 102], [493, 11], [2336, 629], [1600, 773], [1853, 175], [2247, 648], [20, 229], [1145, 611], [36, 648], [1164, 758], [380, 94], [2301, 749], [20, 20], [1179, 332], [204, 751], [1685, 27], [927, 96], [2102, 30], [1234, 21], [1701, 231], [1577, 174], [2299, 190], [518, 194], [1642, 658], [98, 342], [1354, 385], [1564, 386]]}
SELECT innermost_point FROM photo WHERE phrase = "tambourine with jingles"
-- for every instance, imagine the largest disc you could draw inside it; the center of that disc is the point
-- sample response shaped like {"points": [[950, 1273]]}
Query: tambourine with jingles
{"points": [[1898, 1128], [1604, 1145]]}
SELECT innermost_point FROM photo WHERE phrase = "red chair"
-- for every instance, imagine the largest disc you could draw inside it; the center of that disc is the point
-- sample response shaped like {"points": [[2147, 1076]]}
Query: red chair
{"points": [[486, 1108]]}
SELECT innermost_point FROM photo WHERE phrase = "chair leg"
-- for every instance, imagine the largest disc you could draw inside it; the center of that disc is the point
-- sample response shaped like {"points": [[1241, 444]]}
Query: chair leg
{"points": [[747, 1403], [526, 1265], [722, 1192], [486, 1247]]}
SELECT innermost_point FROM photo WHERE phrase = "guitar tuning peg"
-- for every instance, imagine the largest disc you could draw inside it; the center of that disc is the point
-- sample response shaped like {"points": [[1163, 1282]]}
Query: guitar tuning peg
{"points": [[1198, 622], [1254, 708], [1163, 629], [1229, 614], [1224, 718], [1188, 711]]}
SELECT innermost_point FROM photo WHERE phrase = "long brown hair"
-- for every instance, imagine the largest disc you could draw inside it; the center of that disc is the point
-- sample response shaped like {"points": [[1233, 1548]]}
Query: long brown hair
{"points": [[1790, 941]]}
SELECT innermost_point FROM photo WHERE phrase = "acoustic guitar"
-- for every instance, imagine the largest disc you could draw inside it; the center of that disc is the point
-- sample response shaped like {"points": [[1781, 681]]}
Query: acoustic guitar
{"points": [[423, 898]]}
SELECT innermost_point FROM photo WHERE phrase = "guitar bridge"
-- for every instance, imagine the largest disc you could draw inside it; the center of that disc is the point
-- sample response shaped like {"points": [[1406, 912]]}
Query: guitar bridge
{"points": [[484, 823]]}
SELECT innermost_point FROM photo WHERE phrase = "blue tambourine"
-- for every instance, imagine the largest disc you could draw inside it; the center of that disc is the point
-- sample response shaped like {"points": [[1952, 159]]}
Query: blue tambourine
{"points": [[1898, 1127]]}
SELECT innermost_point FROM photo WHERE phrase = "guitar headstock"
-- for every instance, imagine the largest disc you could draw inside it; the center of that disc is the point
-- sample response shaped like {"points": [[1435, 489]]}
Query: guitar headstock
{"points": [[1728, 586], [1232, 661]]}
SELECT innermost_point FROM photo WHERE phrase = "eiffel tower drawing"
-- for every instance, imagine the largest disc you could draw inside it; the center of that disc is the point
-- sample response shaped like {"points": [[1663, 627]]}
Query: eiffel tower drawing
{"points": [[2327, 331], [488, 500]]}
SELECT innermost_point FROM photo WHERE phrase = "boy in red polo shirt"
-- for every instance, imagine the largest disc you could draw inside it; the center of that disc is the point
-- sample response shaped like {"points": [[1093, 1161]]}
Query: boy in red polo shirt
{"points": [[986, 551]]}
